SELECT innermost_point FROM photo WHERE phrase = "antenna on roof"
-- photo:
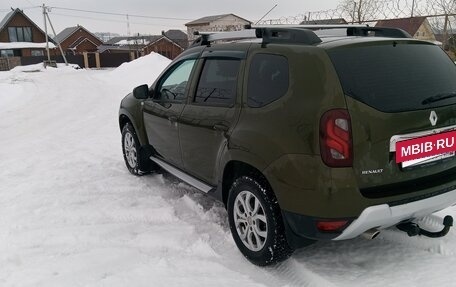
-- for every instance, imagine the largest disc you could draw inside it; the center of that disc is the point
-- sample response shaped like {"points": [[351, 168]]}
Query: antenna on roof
{"points": [[266, 14]]}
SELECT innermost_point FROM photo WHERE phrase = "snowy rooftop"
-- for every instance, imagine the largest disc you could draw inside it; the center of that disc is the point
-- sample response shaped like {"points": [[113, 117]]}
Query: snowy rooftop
{"points": [[24, 45]]}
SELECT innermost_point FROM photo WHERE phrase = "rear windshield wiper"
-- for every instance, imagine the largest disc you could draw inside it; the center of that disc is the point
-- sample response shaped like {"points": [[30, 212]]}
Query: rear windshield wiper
{"points": [[438, 97]]}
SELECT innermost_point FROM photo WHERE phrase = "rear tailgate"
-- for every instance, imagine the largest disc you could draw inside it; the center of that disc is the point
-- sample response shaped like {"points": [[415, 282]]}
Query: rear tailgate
{"points": [[398, 90]]}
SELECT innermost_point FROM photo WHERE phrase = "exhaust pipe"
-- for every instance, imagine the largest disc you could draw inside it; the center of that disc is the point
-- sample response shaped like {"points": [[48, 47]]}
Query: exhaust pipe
{"points": [[371, 234]]}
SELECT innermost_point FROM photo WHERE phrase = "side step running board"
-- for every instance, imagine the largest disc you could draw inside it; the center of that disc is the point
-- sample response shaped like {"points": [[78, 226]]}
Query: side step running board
{"points": [[413, 229], [183, 176]]}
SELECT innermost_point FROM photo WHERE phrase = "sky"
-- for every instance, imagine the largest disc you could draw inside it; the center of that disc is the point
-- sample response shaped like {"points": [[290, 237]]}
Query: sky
{"points": [[64, 13]]}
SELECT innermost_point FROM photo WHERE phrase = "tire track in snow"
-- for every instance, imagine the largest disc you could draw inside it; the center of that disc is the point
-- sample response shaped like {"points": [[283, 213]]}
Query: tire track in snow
{"points": [[195, 208]]}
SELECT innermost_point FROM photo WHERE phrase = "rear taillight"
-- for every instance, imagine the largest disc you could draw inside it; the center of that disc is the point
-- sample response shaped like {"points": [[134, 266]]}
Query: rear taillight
{"points": [[331, 226], [336, 145]]}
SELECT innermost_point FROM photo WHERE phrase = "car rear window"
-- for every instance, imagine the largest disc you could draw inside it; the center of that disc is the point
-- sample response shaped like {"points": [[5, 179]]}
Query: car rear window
{"points": [[395, 76]]}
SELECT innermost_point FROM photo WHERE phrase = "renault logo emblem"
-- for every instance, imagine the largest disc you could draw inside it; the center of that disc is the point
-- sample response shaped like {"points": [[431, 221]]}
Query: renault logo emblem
{"points": [[433, 118]]}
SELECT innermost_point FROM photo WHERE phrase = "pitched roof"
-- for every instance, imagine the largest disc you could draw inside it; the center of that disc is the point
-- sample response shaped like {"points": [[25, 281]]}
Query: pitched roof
{"points": [[176, 34], [103, 48], [67, 32], [213, 18], [7, 19], [410, 25], [166, 39], [125, 40], [324, 22], [13, 13]]}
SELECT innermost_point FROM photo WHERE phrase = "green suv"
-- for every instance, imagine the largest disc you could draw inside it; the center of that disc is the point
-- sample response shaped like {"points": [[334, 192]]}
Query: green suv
{"points": [[303, 133]]}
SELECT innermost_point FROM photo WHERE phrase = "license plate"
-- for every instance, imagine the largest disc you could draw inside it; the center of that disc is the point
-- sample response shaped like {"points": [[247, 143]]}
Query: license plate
{"points": [[426, 149], [424, 160]]}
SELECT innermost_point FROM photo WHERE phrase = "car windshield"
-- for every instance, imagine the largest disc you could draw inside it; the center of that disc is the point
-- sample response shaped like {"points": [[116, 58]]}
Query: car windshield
{"points": [[396, 76]]}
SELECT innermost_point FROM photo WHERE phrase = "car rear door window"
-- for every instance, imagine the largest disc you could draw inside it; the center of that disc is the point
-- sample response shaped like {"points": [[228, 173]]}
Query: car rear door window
{"points": [[218, 82], [268, 79], [397, 77]]}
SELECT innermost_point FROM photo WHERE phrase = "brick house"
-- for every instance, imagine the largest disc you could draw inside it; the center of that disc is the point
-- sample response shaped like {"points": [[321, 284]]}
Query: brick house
{"points": [[76, 40], [21, 37], [417, 27], [144, 45], [224, 22], [163, 46], [178, 37]]}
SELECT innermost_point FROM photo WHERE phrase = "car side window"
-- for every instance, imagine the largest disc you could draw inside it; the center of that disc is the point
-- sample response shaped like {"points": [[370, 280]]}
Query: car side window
{"points": [[268, 79], [218, 82], [172, 88]]}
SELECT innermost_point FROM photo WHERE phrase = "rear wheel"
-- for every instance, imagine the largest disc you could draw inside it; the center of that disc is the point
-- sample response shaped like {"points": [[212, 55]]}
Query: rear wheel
{"points": [[136, 160], [256, 222]]}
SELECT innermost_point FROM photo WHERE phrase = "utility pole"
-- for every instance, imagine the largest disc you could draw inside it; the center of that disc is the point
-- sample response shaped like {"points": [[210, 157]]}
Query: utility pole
{"points": [[55, 35], [128, 34], [445, 32], [413, 8], [354, 12], [46, 32], [46, 18]]}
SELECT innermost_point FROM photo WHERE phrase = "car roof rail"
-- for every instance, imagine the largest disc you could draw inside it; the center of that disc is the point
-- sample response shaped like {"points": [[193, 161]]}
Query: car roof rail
{"points": [[352, 29], [268, 34], [378, 32], [295, 34]]}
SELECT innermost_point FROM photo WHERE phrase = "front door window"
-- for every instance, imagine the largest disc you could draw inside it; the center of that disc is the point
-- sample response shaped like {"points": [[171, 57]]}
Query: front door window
{"points": [[173, 86]]}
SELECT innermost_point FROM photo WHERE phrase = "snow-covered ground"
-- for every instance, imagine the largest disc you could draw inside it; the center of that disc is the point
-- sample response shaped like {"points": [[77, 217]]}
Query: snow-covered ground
{"points": [[72, 215]]}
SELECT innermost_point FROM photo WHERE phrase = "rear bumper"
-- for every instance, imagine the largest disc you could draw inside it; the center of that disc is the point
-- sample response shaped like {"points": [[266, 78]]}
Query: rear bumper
{"points": [[384, 216]]}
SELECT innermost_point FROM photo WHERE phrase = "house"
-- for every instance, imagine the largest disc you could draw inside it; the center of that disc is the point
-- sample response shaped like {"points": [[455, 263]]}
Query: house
{"points": [[224, 22], [164, 46], [76, 40], [178, 36], [21, 37], [417, 27], [336, 21], [144, 45]]}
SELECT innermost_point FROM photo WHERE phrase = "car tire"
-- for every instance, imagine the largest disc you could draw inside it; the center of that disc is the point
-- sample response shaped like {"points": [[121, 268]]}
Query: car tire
{"points": [[137, 162], [256, 222]]}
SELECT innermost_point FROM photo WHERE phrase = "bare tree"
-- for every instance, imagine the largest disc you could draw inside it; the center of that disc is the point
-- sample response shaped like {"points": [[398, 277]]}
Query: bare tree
{"points": [[360, 11]]}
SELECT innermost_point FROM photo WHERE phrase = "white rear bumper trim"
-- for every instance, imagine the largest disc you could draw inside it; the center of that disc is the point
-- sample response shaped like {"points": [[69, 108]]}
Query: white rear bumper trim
{"points": [[384, 216]]}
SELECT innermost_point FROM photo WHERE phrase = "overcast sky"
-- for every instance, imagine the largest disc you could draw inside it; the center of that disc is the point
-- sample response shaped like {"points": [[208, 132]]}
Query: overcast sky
{"points": [[184, 11]]}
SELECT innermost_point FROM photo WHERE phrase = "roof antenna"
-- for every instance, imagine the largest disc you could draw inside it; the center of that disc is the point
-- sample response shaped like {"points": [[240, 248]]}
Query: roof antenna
{"points": [[266, 14]]}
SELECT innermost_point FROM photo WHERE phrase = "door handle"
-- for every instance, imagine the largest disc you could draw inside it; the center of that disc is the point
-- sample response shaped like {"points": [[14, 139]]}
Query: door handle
{"points": [[221, 127], [172, 119]]}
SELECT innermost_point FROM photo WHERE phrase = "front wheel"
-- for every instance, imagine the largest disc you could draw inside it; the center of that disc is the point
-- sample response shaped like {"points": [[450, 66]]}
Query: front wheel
{"points": [[136, 161], [256, 222]]}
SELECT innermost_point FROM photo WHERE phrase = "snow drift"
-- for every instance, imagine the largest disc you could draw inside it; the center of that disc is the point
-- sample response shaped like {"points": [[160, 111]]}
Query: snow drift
{"points": [[72, 215]]}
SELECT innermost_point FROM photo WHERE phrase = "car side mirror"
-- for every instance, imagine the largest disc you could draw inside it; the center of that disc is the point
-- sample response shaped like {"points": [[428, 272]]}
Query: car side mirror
{"points": [[141, 92]]}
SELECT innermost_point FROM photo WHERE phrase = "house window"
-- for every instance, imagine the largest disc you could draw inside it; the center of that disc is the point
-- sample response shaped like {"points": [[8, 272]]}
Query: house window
{"points": [[20, 34], [37, 53], [6, 53]]}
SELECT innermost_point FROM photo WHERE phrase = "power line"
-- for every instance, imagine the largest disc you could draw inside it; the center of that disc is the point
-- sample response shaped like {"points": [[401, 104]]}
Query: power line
{"points": [[120, 14], [109, 20], [20, 8]]}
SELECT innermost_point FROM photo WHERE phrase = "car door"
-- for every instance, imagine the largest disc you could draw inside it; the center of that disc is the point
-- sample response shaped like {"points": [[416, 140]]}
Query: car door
{"points": [[207, 120], [161, 112]]}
